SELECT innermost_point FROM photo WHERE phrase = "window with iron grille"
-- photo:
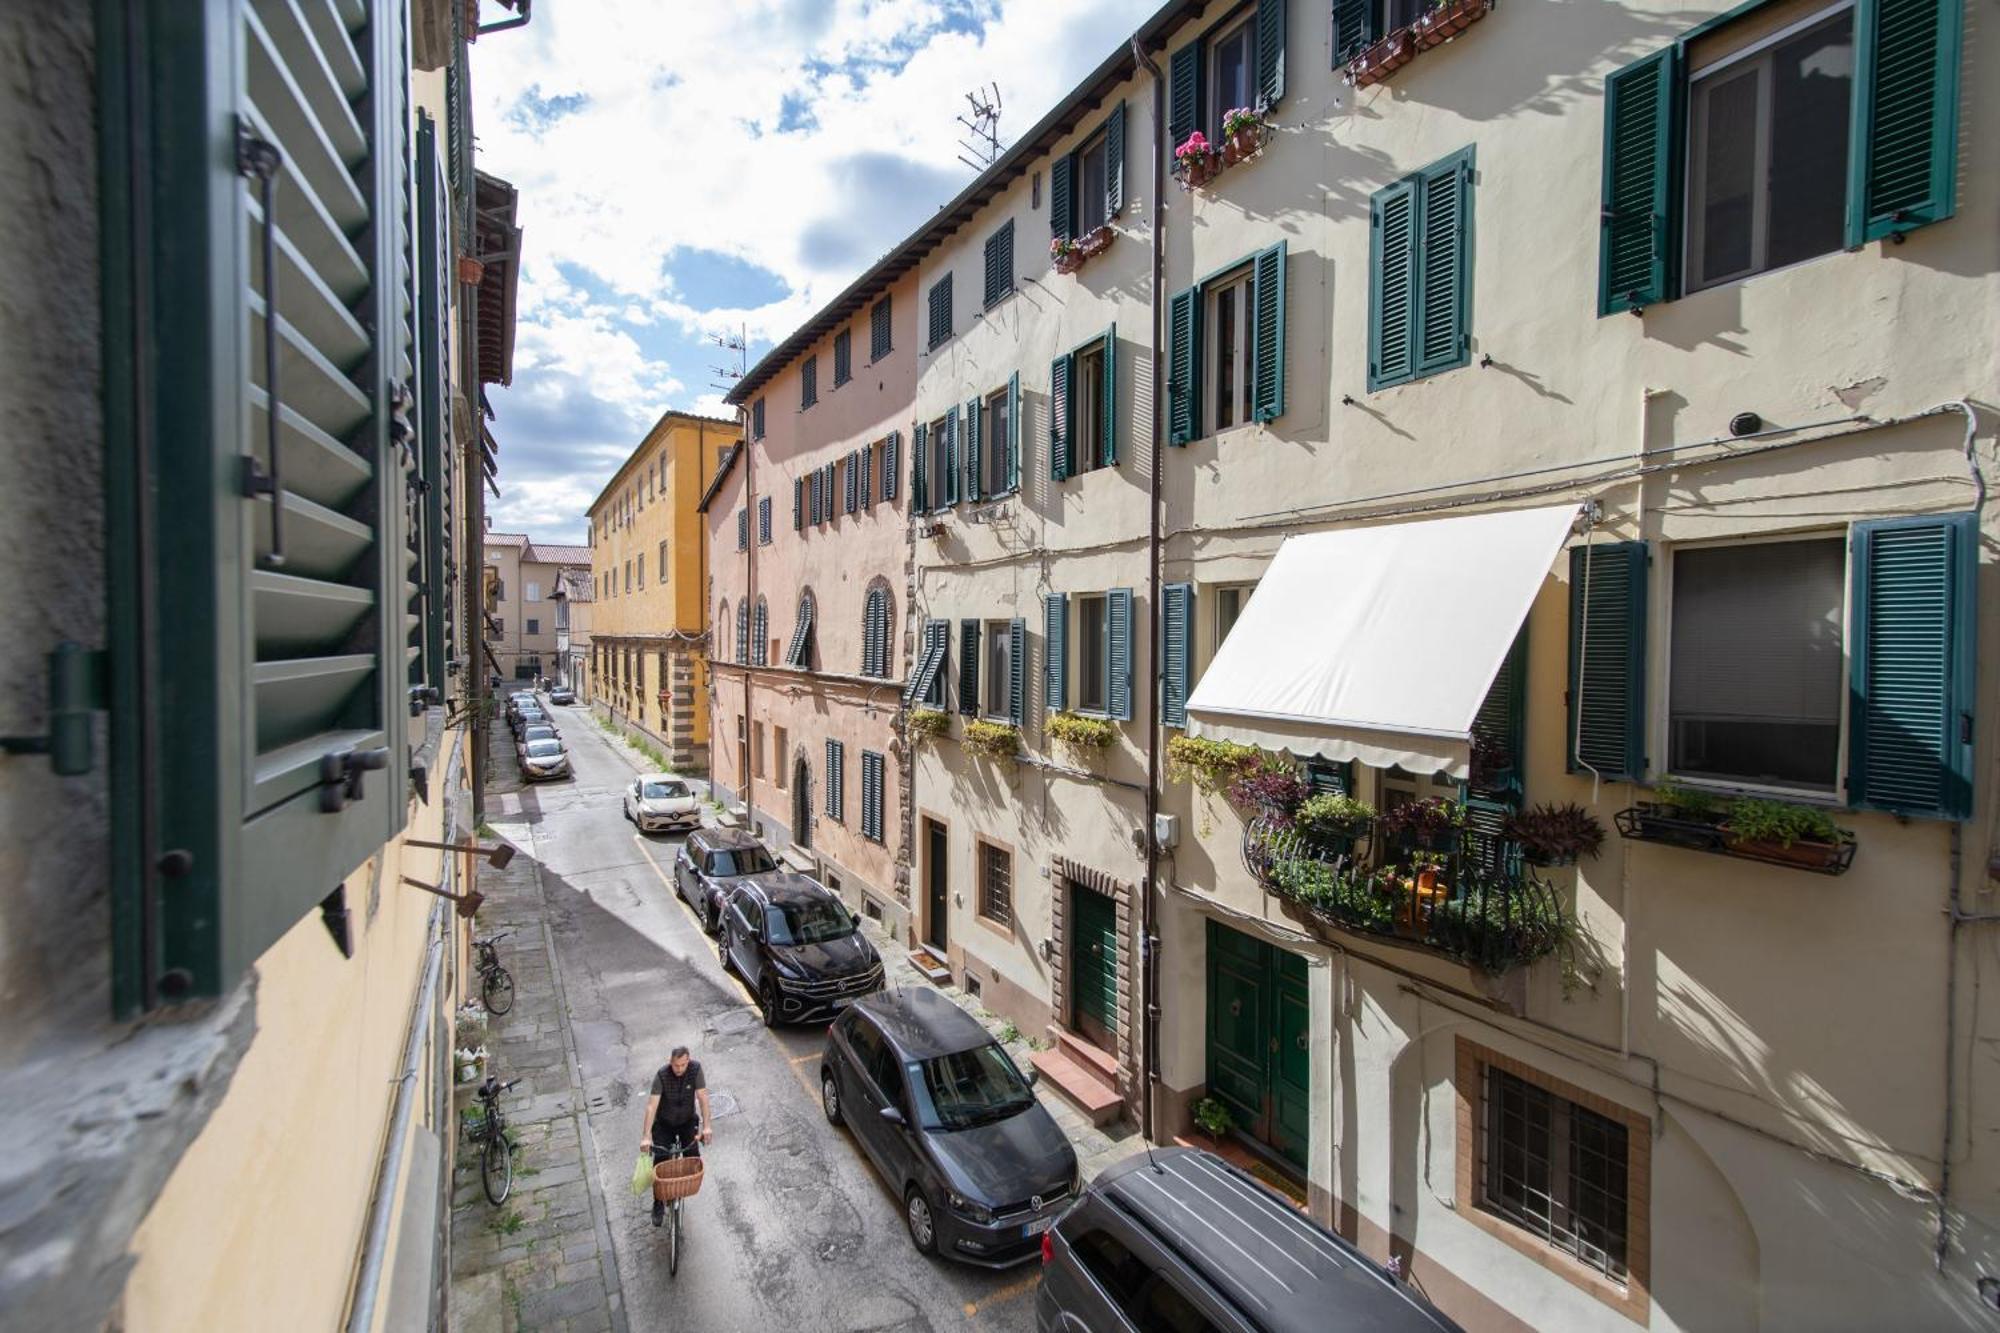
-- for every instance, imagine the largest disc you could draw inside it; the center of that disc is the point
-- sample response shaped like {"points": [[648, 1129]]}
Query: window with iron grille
{"points": [[843, 357], [996, 884], [1557, 1169], [878, 330]]}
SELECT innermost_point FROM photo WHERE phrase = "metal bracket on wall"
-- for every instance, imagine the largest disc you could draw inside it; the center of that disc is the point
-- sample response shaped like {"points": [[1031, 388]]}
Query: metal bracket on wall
{"points": [[333, 915], [76, 690]]}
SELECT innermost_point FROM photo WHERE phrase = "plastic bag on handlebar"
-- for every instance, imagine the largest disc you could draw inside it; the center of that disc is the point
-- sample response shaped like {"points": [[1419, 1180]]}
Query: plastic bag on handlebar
{"points": [[642, 1175]]}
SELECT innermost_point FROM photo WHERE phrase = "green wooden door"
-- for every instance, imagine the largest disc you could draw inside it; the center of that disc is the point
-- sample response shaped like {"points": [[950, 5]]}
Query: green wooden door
{"points": [[1094, 966], [1291, 1065], [1260, 1040]]}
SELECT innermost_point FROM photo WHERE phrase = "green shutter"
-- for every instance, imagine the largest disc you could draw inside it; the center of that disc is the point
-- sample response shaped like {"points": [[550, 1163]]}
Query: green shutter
{"points": [[760, 634], [874, 634], [1062, 196], [951, 434], [1444, 264], [920, 494], [968, 667], [1353, 29], [1270, 52], [1060, 400], [1184, 96], [862, 462], [1267, 355], [1014, 431], [879, 330], [1903, 150], [836, 780], [1607, 660], [1392, 265], [1118, 654], [434, 281], [1114, 162], [892, 449], [973, 445], [1176, 651], [799, 652], [1055, 655], [1912, 665], [1017, 670], [798, 503], [1107, 402], [1499, 725], [871, 795], [1635, 246], [1183, 369]]}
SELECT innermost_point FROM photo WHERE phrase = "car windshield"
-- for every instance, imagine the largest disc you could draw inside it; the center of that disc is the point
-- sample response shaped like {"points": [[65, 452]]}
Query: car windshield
{"points": [[664, 791], [968, 1088], [740, 861], [814, 921], [544, 749], [540, 732]]}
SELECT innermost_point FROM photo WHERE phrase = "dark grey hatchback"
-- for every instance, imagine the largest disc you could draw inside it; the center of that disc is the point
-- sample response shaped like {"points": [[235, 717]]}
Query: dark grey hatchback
{"points": [[981, 1167]]}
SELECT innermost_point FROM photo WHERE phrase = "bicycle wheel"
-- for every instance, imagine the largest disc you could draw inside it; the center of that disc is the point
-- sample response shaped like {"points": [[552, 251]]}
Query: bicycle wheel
{"points": [[496, 1167], [673, 1238], [497, 990]]}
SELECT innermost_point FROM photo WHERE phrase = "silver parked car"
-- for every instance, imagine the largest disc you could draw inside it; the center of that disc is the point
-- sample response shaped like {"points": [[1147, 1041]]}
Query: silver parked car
{"points": [[544, 759]]}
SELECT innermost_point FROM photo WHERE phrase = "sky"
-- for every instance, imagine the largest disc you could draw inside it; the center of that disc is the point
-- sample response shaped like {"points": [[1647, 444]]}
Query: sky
{"points": [[690, 170]]}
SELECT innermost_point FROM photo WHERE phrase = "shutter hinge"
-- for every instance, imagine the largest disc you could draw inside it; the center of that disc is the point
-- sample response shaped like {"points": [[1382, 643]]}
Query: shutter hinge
{"points": [[76, 690], [340, 776]]}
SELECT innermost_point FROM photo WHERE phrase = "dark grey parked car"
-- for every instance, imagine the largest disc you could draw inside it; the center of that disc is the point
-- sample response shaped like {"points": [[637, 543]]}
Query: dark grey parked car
{"points": [[797, 946], [710, 862], [1179, 1239], [981, 1166]]}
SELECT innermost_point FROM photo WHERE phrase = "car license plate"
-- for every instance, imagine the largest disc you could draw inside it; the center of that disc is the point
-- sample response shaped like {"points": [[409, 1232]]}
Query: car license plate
{"points": [[1038, 1226], [842, 1001]]}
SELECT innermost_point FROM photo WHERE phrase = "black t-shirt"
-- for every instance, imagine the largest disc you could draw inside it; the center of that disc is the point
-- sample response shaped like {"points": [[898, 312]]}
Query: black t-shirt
{"points": [[676, 1093]]}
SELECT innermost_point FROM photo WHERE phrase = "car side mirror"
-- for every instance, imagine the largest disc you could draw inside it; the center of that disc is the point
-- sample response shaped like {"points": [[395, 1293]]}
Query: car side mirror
{"points": [[1032, 1074], [855, 917], [892, 1115]]}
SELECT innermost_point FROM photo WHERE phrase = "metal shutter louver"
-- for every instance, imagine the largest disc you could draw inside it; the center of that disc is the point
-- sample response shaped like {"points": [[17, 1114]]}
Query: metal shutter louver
{"points": [[1267, 388], [1055, 656], [1118, 656], [1607, 659], [1635, 245], [1176, 651], [968, 667]]}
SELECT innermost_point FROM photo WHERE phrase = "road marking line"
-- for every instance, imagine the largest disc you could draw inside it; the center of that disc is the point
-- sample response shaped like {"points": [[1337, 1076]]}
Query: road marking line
{"points": [[1003, 1295], [802, 1059]]}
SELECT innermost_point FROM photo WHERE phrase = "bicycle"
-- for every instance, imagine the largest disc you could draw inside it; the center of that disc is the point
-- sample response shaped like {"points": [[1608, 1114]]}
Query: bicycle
{"points": [[496, 1154], [675, 1177], [496, 983]]}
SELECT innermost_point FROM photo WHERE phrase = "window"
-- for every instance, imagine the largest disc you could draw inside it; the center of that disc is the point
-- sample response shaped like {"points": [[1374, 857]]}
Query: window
{"points": [[800, 653], [780, 747], [757, 420], [940, 300], [534, 626], [1034, 189], [808, 382], [843, 357], [760, 622], [875, 634], [639, 568], [996, 448], [926, 683], [1232, 74], [1092, 667], [872, 766], [879, 331], [940, 474], [836, 784], [743, 529], [1149, 1298], [757, 749], [1557, 1169], [663, 562], [532, 592], [998, 677], [1000, 263], [628, 576], [1093, 441], [1420, 257], [1227, 378], [996, 884], [1092, 164], [764, 521], [1757, 673], [1767, 153], [1229, 603]]}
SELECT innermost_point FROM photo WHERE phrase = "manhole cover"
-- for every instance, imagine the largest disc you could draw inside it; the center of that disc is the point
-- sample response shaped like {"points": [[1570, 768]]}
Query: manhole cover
{"points": [[721, 1104]]}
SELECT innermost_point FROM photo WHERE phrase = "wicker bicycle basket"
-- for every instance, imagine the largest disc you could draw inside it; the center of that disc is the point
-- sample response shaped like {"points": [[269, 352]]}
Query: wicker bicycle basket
{"points": [[676, 1178]]}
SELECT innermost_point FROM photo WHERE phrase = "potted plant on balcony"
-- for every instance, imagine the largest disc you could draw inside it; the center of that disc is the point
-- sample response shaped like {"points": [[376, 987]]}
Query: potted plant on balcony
{"points": [[926, 723], [1429, 825], [1554, 835], [1786, 833], [1196, 162], [1065, 256], [1082, 734], [1243, 131], [1445, 19], [1213, 1119], [1211, 765], [1334, 819], [1273, 789], [1382, 59], [994, 740], [1679, 815]]}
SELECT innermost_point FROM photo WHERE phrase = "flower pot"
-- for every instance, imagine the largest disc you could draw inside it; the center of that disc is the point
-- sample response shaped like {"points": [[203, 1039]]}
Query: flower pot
{"points": [[470, 271], [1383, 58], [1068, 262], [1805, 855], [1448, 20], [1244, 143], [1199, 171], [1097, 242]]}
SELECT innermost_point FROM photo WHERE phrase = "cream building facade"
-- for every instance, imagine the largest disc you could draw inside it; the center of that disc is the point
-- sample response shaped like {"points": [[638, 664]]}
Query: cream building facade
{"points": [[522, 576]]}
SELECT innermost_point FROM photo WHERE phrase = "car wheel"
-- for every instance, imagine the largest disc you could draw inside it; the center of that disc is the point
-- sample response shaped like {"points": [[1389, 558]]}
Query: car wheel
{"points": [[722, 949], [923, 1227], [829, 1096], [767, 1000], [711, 918]]}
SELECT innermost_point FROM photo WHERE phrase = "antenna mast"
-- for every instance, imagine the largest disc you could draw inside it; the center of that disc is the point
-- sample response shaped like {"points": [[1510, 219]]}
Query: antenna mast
{"points": [[739, 343], [983, 126]]}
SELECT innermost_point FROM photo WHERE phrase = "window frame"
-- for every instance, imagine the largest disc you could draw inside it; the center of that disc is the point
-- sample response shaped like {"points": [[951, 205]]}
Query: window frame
{"points": [[1081, 459], [1217, 594], [996, 683], [1098, 142], [938, 463], [984, 850], [996, 424], [1212, 44], [1237, 282], [1081, 650]]}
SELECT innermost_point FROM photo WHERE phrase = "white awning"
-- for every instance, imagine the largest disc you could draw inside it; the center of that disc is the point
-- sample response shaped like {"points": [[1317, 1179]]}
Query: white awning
{"points": [[1379, 644]]}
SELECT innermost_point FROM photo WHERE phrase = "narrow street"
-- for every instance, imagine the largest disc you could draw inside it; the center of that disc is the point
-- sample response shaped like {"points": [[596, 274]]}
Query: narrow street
{"points": [[793, 1228]]}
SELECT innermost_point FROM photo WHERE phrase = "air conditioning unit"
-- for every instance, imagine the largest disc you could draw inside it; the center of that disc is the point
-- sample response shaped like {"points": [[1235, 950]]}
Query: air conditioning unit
{"points": [[1166, 831]]}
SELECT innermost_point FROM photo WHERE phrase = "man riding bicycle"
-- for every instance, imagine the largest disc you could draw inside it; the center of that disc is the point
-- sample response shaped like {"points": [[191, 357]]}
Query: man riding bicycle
{"points": [[677, 1111]]}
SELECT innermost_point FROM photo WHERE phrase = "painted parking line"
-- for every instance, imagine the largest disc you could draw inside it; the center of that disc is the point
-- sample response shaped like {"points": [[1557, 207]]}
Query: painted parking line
{"points": [[1005, 1294]]}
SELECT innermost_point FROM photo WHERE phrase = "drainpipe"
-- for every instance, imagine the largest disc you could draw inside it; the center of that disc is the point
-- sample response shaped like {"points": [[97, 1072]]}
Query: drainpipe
{"points": [[749, 619], [1149, 942]]}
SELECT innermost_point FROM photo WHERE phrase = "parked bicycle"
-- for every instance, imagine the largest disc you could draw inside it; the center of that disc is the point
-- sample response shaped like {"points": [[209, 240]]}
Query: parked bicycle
{"points": [[496, 983], [675, 1177], [496, 1153]]}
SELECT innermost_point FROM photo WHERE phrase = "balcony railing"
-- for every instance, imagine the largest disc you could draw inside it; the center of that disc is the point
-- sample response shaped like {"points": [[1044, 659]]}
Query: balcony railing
{"points": [[1493, 917]]}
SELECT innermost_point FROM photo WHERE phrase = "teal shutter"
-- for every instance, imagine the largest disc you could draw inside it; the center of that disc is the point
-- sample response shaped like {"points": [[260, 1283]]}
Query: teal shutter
{"points": [[968, 667], [973, 445], [871, 795], [276, 694], [836, 780], [1184, 94], [879, 330], [1270, 52], [1912, 665], [1114, 162], [1107, 402], [1635, 235], [1267, 348], [922, 687], [861, 462], [951, 458], [829, 478], [1055, 656], [1353, 29], [798, 503], [1059, 407], [1017, 670], [757, 420], [1392, 262], [892, 449], [799, 652], [1176, 651], [1118, 653], [851, 483], [920, 501], [764, 520], [1903, 149], [1498, 730], [1444, 269], [434, 256], [1014, 431], [1183, 369], [1326, 778], [1062, 196], [1607, 660], [743, 529]]}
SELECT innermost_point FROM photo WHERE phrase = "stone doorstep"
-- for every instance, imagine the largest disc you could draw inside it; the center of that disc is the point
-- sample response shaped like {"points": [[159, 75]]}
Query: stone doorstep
{"points": [[1078, 1085], [934, 969], [1100, 1064]]}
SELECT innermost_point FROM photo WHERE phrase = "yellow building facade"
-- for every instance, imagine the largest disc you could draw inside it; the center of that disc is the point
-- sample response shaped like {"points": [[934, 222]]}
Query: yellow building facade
{"points": [[647, 668]]}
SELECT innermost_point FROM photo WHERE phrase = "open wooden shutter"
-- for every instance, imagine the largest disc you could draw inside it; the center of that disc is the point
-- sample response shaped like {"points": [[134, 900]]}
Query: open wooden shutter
{"points": [[1107, 402], [1913, 669], [1062, 196], [836, 780], [968, 667], [879, 342], [951, 436], [1903, 149], [798, 503], [973, 445], [1183, 369], [875, 634], [435, 273], [1114, 162], [892, 449], [764, 520], [1498, 731], [1055, 656], [1353, 28], [1176, 651], [743, 529], [1184, 94], [1014, 431], [1267, 349], [1118, 654], [862, 460], [799, 653], [920, 491], [1635, 247], [1444, 264], [1607, 660], [1059, 408], [1270, 52], [871, 795], [1392, 316], [1017, 668], [852, 482], [923, 687]]}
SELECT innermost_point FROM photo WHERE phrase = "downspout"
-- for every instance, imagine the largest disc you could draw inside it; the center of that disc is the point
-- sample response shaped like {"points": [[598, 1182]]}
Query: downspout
{"points": [[750, 620], [1149, 941]]}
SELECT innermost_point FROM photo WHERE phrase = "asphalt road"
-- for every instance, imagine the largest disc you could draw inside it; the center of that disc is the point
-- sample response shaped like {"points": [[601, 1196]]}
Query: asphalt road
{"points": [[793, 1229]]}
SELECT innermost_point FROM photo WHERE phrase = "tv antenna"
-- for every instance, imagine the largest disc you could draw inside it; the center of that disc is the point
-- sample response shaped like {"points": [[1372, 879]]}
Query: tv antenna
{"points": [[984, 127], [739, 343]]}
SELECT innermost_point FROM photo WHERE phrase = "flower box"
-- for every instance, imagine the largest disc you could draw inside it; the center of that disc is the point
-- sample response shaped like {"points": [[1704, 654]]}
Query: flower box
{"points": [[1651, 821], [1382, 59], [1196, 171], [1067, 256], [1245, 143], [1446, 20]]}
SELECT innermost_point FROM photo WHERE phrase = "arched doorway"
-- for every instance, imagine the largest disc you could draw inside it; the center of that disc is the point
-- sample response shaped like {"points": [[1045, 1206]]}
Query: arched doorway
{"points": [[802, 805]]}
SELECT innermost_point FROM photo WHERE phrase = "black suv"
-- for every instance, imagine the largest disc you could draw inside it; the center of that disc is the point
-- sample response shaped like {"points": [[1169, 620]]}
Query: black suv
{"points": [[710, 862], [1178, 1238], [797, 946], [952, 1125]]}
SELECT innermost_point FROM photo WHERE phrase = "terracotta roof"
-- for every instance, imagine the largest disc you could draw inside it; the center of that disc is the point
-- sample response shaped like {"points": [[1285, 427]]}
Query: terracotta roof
{"points": [[722, 471], [557, 555], [506, 539], [576, 585], [497, 247]]}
